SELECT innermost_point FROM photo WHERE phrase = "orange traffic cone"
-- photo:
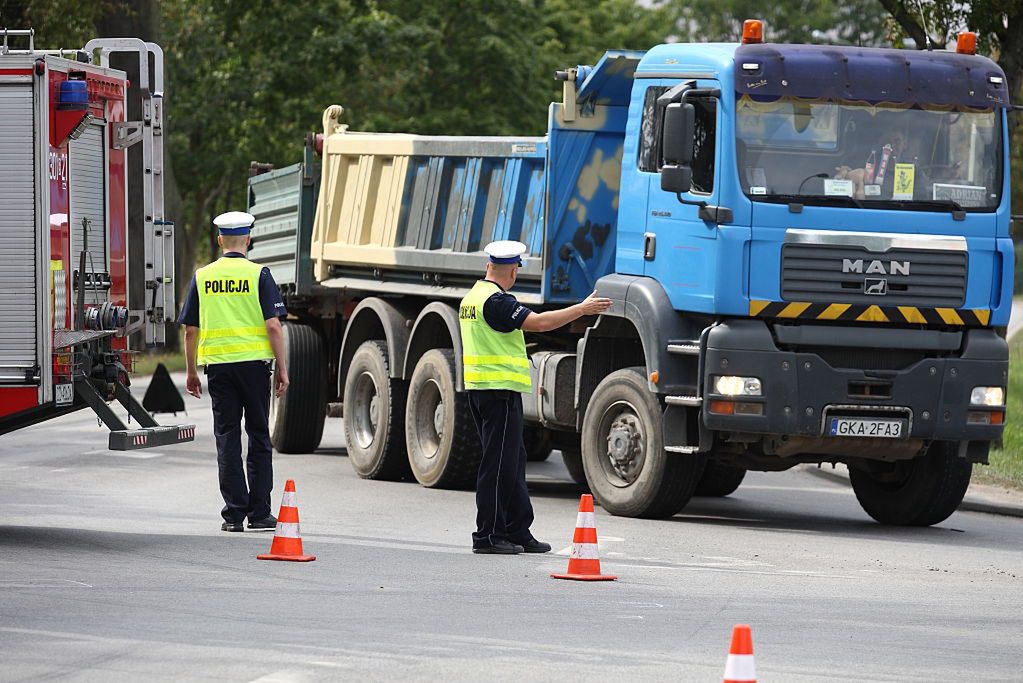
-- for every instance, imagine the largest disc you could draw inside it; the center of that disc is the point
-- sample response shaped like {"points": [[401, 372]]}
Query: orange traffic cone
{"points": [[739, 665], [584, 565], [287, 544]]}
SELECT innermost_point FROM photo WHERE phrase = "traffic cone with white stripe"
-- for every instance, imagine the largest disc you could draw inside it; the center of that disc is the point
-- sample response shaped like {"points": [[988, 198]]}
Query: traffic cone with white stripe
{"points": [[287, 543], [583, 564], [739, 665]]}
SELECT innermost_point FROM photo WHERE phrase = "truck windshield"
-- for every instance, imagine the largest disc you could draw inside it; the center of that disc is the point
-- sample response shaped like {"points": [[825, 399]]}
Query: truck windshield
{"points": [[897, 156]]}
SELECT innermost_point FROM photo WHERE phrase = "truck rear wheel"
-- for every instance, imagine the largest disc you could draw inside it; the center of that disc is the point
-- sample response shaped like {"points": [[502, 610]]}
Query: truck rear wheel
{"points": [[374, 410], [537, 441], [443, 445], [574, 464], [918, 492], [719, 480], [296, 418], [627, 468]]}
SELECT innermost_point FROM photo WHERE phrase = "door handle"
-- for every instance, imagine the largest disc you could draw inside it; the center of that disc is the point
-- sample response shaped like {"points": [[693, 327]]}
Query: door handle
{"points": [[649, 246]]}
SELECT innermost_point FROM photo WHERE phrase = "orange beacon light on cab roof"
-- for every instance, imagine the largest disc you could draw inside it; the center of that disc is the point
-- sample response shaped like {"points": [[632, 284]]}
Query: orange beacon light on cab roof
{"points": [[966, 43], [752, 31]]}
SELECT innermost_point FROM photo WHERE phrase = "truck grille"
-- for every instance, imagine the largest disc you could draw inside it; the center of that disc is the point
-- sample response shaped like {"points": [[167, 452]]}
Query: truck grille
{"points": [[814, 273]]}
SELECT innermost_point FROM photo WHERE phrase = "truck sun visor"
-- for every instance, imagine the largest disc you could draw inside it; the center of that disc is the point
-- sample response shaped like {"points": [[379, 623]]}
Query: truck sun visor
{"points": [[870, 75]]}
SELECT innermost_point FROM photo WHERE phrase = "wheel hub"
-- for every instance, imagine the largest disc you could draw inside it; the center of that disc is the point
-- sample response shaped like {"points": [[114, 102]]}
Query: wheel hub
{"points": [[438, 419], [428, 412], [365, 413], [374, 406], [625, 447]]}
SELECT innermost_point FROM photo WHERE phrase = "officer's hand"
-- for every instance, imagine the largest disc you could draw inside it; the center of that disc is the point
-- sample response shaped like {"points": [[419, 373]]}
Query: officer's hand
{"points": [[282, 382], [194, 385], [594, 305]]}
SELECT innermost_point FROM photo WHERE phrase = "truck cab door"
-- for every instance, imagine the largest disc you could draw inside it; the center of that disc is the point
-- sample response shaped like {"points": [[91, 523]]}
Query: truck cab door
{"points": [[679, 245]]}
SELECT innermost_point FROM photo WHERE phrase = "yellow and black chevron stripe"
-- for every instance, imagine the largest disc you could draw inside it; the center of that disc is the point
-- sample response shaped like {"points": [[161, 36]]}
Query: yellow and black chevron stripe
{"points": [[800, 310]]}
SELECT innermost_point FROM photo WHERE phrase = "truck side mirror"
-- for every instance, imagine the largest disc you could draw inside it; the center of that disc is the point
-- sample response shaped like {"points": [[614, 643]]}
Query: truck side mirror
{"points": [[676, 179], [677, 141], [679, 133]]}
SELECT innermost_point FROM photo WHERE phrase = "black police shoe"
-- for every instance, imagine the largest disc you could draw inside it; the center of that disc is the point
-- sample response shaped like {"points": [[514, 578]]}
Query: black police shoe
{"points": [[233, 526], [531, 545], [499, 548], [268, 522]]}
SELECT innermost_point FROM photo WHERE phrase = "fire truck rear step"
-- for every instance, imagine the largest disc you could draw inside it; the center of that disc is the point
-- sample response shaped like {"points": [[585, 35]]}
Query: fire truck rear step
{"points": [[122, 438]]}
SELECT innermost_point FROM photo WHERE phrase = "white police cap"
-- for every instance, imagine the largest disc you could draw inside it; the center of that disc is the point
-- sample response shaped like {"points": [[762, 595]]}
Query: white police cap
{"points": [[505, 251], [234, 223]]}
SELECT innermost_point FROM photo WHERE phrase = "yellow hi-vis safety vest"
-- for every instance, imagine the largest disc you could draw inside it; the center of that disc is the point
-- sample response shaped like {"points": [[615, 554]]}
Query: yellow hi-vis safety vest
{"points": [[491, 359], [231, 325]]}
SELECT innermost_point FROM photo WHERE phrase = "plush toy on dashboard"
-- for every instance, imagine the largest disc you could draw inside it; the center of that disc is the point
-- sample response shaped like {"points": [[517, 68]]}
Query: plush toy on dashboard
{"points": [[856, 175]]}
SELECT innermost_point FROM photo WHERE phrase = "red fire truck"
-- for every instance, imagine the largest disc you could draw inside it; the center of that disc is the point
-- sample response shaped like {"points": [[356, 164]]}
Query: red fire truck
{"points": [[65, 310]]}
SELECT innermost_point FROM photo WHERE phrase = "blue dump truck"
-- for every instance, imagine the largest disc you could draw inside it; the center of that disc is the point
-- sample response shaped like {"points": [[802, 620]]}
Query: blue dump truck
{"points": [[807, 248]]}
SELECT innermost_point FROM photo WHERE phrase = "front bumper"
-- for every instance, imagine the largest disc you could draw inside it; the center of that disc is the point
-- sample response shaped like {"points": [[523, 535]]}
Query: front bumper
{"points": [[800, 390]]}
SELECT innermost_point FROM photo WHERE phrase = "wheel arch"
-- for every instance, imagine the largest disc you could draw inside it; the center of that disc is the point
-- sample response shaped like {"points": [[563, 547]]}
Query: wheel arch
{"points": [[436, 323], [636, 331], [376, 318]]}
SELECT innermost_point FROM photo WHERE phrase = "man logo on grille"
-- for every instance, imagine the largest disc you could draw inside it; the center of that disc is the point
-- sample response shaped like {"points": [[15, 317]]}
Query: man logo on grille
{"points": [[875, 286]]}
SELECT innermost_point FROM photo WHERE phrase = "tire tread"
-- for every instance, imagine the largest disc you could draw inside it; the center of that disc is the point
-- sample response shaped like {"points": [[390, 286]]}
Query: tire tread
{"points": [[302, 412]]}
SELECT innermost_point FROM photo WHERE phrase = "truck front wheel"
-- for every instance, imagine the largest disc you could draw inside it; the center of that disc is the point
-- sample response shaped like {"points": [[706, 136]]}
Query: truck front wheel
{"points": [[374, 410], [296, 418], [626, 465], [919, 492], [443, 444]]}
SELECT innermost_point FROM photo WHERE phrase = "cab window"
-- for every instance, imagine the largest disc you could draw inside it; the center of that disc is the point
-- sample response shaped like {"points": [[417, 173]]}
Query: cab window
{"points": [[650, 158]]}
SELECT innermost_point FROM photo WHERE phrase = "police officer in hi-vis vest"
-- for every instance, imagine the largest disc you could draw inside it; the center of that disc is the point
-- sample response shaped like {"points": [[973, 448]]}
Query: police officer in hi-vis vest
{"points": [[496, 372], [233, 328]]}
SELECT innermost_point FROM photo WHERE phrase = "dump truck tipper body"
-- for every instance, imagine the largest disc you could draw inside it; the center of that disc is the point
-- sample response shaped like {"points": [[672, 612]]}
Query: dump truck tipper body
{"points": [[807, 248]]}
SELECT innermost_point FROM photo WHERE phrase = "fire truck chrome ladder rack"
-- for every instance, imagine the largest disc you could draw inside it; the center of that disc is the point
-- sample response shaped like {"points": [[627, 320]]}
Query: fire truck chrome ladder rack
{"points": [[159, 250]]}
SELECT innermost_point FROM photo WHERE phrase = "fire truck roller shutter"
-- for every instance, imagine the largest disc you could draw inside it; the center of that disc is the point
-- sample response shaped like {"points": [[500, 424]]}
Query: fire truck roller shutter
{"points": [[88, 201], [18, 276]]}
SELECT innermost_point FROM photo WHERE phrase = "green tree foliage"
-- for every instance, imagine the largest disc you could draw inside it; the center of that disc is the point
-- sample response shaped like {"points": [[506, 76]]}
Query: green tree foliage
{"points": [[855, 22], [247, 80], [57, 23]]}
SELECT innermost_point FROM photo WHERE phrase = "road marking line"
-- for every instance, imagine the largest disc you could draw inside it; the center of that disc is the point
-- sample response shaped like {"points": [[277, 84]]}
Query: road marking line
{"points": [[735, 570], [42, 583]]}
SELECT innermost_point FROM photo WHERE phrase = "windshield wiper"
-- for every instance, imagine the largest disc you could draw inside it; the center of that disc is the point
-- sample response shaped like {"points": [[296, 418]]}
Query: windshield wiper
{"points": [[796, 201], [958, 212]]}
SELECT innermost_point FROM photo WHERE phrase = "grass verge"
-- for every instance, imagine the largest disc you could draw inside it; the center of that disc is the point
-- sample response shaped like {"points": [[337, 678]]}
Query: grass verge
{"points": [[146, 363], [1006, 468]]}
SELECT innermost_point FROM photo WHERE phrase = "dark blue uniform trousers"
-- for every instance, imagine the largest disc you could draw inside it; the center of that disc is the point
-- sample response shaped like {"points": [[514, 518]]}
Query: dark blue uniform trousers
{"points": [[237, 388], [503, 510]]}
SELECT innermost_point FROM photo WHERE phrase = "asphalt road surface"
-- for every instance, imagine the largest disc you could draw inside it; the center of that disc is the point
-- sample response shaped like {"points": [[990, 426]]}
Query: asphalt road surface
{"points": [[113, 567]]}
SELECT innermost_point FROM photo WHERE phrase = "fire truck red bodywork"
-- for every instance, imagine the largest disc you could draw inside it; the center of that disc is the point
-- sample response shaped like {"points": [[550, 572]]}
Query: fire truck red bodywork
{"points": [[74, 141]]}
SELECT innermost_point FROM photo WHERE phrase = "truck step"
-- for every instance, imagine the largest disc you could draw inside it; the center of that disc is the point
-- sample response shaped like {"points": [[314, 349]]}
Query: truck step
{"points": [[687, 450], [684, 348], [694, 401], [134, 439]]}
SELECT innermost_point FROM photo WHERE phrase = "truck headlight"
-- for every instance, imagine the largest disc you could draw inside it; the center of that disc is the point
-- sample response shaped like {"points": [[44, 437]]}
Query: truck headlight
{"points": [[987, 396], [730, 385]]}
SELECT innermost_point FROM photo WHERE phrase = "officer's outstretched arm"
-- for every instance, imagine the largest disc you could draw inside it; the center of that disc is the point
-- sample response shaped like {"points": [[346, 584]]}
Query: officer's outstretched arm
{"points": [[276, 334], [552, 320]]}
